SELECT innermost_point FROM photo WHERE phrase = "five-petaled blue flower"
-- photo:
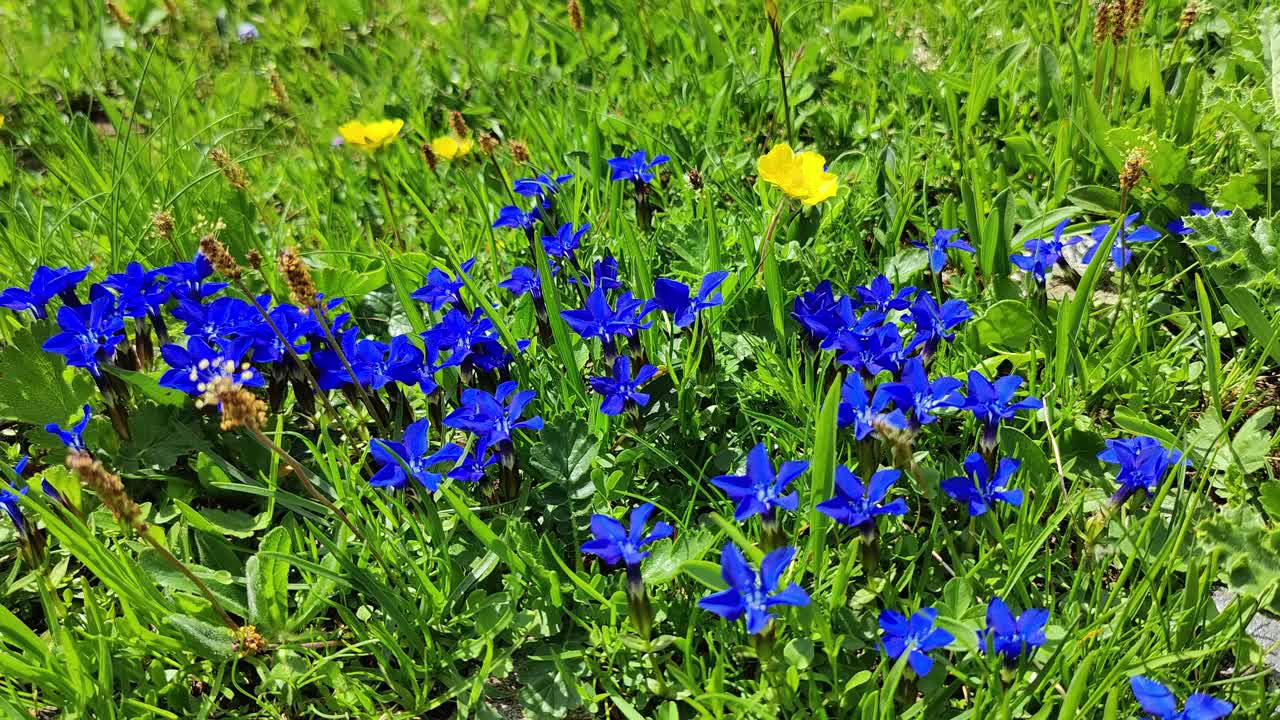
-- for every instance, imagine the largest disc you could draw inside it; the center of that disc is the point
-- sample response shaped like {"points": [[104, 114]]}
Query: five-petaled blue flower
{"points": [[622, 390], [604, 275], [472, 465], [857, 505], [393, 457], [818, 312], [635, 167], [488, 418], [614, 544], [866, 413], [72, 437], [752, 595], [541, 186], [523, 280], [565, 243], [879, 295], [992, 403], [599, 320], [186, 279], [440, 288], [195, 367], [939, 245], [760, 491], [141, 292], [1143, 464], [917, 637], [1011, 636], [915, 393], [677, 299], [46, 283], [1120, 252], [90, 333], [513, 217], [934, 323], [1159, 701], [979, 489], [1043, 254]]}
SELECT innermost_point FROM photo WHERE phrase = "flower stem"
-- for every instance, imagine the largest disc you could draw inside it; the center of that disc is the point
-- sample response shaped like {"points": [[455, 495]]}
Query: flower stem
{"points": [[346, 365]]}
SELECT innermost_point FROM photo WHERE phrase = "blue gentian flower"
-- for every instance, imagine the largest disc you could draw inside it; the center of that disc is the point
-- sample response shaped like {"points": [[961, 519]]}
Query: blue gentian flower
{"points": [[1143, 462], [868, 350], [992, 403], [622, 390], [393, 456], [46, 283], [472, 466], [934, 324], [490, 355], [879, 295], [441, 289], [596, 320], [296, 326], [857, 505], [72, 437], [677, 299], [939, 245], [542, 186], [1042, 254], [488, 418], [1011, 636], [817, 312], [12, 506], [186, 279], [629, 315], [613, 543], [980, 490], [635, 167], [523, 280], [915, 393], [221, 319], [371, 363], [90, 333], [760, 491], [194, 369], [411, 365], [1120, 252], [459, 335], [1160, 703], [752, 595], [565, 243], [331, 371], [917, 637], [866, 414], [604, 275], [513, 217], [141, 292]]}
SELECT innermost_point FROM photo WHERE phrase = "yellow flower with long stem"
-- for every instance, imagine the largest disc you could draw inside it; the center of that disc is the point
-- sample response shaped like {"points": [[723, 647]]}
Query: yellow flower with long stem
{"points": [[449, 147], [802, 175], [370, 136]]}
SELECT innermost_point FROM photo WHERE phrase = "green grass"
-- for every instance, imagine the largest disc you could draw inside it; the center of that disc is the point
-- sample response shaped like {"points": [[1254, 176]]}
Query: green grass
{"points": [[1000, 118]]}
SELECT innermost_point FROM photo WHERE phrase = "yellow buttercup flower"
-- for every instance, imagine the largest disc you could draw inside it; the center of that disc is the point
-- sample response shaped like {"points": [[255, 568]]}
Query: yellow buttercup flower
{"points": [[802, 176], [370, 136], [449, 147], [1, 122]]}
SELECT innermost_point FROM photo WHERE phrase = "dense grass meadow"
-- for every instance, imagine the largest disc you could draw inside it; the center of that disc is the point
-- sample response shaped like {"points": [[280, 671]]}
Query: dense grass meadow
{"points": [[639, 359]]}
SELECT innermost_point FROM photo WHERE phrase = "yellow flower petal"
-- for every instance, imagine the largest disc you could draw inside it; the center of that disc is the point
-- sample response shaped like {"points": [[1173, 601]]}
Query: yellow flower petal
{"points": [[370, 136], [445, 147], [782, 167], [818, 184]]}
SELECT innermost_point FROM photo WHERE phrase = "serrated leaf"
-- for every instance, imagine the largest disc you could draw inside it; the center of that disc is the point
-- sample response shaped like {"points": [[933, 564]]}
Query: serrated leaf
{"points": [[37, 387], [666, 560], [564, 457], [1250, 552]]}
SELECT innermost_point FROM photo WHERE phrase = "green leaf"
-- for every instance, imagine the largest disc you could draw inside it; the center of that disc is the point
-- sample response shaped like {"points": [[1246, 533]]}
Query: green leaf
{"points": [[822, 475], [1007, 325], [565, 455], [267, 580], [37, 387], [799, 653], [1269, 494], [214, 642], [546, 690], [221, 522], [668, 559], [707, 573], [221, 583], [1250, 551]]}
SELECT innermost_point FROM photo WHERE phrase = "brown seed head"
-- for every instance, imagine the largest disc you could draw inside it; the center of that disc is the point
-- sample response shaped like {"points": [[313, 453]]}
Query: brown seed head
{"points": [[459, 124], [119, 15], [298, 276], [519, 151], [231, 170], [1102, 22], [278, 90], [240, 408], [106, 486], [1133, 14], [249, 641], [1135, 166], [253, 259], [1189, 14], [695, 178], [219, 257], [575, 16], [1119, 26], [488, 143], [430, 156], [162, 224]]}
